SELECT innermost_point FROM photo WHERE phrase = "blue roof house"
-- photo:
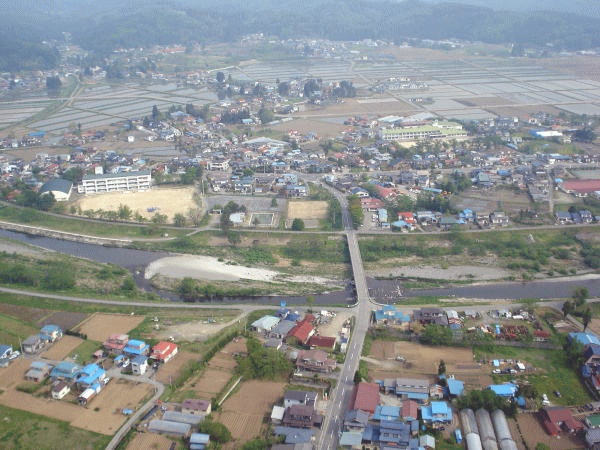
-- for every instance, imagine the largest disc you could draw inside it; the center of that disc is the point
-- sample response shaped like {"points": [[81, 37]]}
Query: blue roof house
{"points": [[5, 351], [455, 388], [384, 412], [136, 347], [389, 314], [508, 390], [65, 370], [51, 333], [90, 374], [395, 433], [351, 439], [436, 412]]}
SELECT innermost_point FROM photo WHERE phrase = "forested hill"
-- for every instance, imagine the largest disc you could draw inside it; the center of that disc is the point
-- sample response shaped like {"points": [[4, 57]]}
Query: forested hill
{"points": [[101, 26]]}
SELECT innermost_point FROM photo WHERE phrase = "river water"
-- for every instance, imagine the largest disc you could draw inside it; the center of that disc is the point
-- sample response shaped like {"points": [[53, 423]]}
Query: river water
{"points": [[384, 291]]}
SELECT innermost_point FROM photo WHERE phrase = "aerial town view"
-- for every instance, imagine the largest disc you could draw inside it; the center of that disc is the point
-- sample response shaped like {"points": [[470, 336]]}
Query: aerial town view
{"points": [[329, 225]]}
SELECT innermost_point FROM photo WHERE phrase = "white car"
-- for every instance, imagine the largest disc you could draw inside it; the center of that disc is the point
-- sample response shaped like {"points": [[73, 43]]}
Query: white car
{"points": [[14, 355]]}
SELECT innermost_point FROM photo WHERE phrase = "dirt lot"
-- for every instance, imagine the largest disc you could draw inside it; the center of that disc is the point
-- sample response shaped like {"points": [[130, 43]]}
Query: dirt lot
{"points": [[171, 370], [149, 441], [167, 201], [118, 394], [307, 210], [334, 326], [219, 371], [423, 361], [14, 374], [100, 326], [198, 330], [533, 432], [243, 413], [62, 348], [64, 319]]}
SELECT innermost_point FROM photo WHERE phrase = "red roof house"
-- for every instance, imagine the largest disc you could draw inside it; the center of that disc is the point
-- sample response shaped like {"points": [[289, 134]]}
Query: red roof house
{"points": [[164, 351], [322, 342], [115, 343], [407, 216], [365, 397], [557, 419], [300, 333]]}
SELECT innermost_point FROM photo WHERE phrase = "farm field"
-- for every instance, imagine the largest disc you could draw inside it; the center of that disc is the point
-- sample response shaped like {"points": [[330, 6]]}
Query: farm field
{"points": [[59, 350], [533, 432], [217, 374], [13, 374], [307, 210], [150, 441], [99, 417], [171, 370], [243, 413], [12, 329], [23, 313], [64, 319], [100, 326], [167, 201], [24, 430], [423, 361]]}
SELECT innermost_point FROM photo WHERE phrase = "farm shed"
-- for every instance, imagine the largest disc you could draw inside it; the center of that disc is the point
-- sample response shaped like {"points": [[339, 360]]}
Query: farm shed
{"points": [[172, 428], [195, 406], [265, 324], [190, 419], [277, 414], [199, 441]]}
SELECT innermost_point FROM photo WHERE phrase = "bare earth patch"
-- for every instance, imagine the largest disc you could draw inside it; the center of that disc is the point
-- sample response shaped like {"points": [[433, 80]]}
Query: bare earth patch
{"points": [[100, 326], [443, 273], [167, 201], [171, 370], [150, 441], [307, 209], [533, 432], [62, 348], [195, 331], [243, 413]]}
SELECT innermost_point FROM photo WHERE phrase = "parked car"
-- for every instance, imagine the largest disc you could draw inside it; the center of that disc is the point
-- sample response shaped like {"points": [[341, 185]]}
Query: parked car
{"points": [[14, 355]]}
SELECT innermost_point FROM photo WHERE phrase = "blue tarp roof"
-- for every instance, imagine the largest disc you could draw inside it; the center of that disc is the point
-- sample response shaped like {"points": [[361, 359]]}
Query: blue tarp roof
{"points": [[585, 338], [504, 390]]}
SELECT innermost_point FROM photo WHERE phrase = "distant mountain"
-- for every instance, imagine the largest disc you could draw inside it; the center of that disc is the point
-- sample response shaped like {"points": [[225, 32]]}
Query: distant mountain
{"points": [[589, 8]]}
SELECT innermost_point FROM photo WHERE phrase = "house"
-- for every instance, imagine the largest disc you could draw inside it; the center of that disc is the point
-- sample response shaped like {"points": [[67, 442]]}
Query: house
{"points": [[60, 188], [33, 344], [386, 412], [394, 434], [139, 365], [90, 374], [455, 388], [427, 442], [557, 419], [293, 397], [499, 218], [60, 389], [351, 440], [592, 355], [365, 397], [322, 343], [428, 316], [294, 435], [563, 217], [413, 389], [51, 333], [388, 315], [136, 347], [301, 416], [273, 343], [436, 412], [356, 420], [196, 406], [315, 361], [199, 441], [65, 370], [265, 324], [592, 438], [507, 390], [38, 371], [410, 410], [116, 343], [5, 351], [593, 421], [300, 334], [164, 351], [282, 329]]}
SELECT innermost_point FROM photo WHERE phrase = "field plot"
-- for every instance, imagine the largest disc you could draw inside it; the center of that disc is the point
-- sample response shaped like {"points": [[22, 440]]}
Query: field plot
{"points": [[64, 319], [219, 371], [171, 371], [307, 209], [533, 432], [14, 374], [12, 329], [100, 417], [164, 201], [59, 350], [150, 441], [100, 326], [243, 413], [23, 313], [423, 361]]}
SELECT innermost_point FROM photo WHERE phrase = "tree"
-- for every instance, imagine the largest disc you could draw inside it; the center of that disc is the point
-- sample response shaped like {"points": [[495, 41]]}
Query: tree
{"points": [[283, 89], [124, 212], [586, 317], [567, 308], [53, 83], [265, 115], [46, 201], [195, 216], [159, 219], [217, 431], [298, 224], [255, 444], [436, 335], [580, 295], [220, 77], [155, 113], [234, 237], [179, 220], [274, 202], [310, 302], [442, 368], [187, 288]]}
